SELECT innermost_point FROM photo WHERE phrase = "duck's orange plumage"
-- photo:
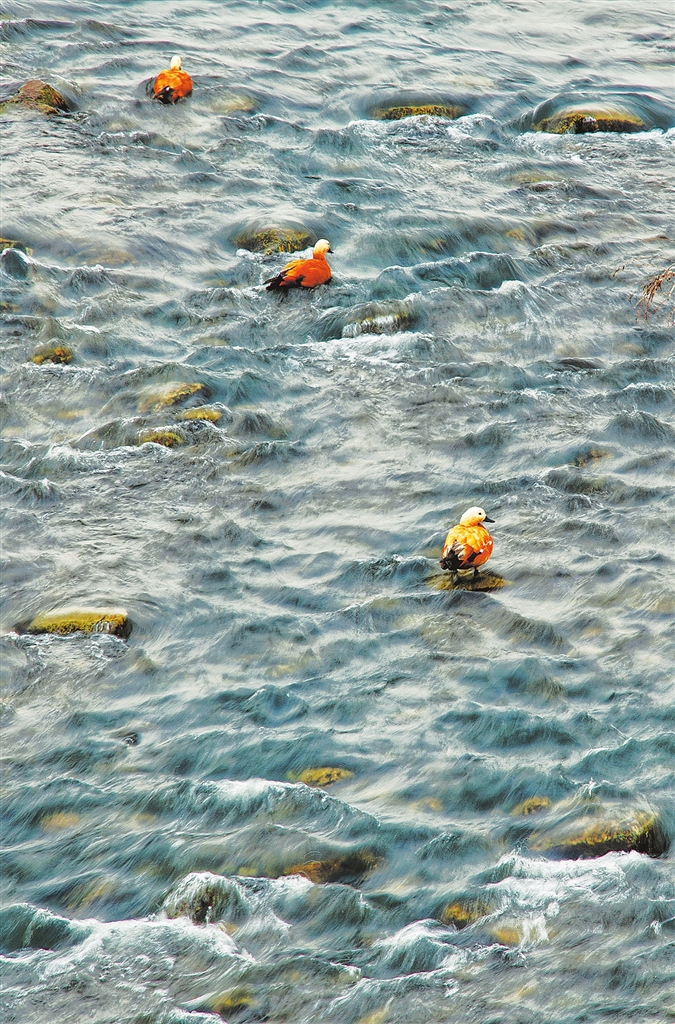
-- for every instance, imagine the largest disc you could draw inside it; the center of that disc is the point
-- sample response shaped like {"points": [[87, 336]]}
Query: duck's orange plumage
{"points": [[468, 544], [172, 85], [304, 273]]}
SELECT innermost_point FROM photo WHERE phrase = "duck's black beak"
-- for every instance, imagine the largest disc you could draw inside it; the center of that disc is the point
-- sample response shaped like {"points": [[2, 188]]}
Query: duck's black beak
{"points": [[488, 520], [331, 250]]}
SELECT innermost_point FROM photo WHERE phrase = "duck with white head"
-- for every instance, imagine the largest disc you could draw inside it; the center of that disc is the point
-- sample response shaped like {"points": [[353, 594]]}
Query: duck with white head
{"points": [[468, 544]]}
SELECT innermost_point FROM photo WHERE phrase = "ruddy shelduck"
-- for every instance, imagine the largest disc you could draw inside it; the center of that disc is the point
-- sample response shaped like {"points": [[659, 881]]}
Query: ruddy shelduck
{"points": [[468, 544], [172, 85], [304, 273]]}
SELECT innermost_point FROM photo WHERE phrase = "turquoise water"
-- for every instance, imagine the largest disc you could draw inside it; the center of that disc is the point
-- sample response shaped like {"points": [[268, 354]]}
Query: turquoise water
{"points": [[478, 344]]}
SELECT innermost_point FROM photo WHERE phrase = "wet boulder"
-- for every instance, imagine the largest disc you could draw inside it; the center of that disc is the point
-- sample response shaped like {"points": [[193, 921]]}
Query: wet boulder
{"points": [[465, 911], [15, 262], [581, 118], [397, 113], [174, 393], [533, 805], [267, 238], [320, 777], [52, 354], [597, 830], [115, 622], [201, 412], [167, 438], [37, 95], [347, 867]]}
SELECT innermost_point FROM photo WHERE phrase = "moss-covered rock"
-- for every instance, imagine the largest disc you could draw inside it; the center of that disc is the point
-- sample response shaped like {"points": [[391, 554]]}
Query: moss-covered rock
{"points": [[532, 805], [397, 113], [11, 243], [37, 95], [52, 354], [581, 120], [156, 399], [485, 580], [641, 831], [167, 438], [269, 238], [232, 1000], [79, 620], [462, 913], [319, 777], [201, 412], [344, 868]]}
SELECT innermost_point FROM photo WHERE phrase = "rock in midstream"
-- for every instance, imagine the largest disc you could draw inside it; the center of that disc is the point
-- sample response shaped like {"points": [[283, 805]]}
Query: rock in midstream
{"points": [[115, 622], [37, 95], [268, 238], [53, 353], [596, 830]]}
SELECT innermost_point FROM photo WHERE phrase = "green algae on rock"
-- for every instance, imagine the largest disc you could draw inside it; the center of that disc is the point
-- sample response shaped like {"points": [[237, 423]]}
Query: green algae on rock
{"points": [[156, 399], [484, 581], [318, 777], [640, 831], [583, 119], [397, 113], [464, 912], [52, 354], [116, 622], [532, 805], [167, 438], [345, 867], [37, 95], [270, 238], [201, 412]]}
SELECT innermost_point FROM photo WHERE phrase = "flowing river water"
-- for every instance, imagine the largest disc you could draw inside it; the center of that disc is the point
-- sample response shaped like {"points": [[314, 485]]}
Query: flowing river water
{"points": [[299, 789]]}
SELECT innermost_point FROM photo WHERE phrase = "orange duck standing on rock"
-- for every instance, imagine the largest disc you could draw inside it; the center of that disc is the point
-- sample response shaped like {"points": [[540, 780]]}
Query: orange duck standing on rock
{"points": [[468, 544], [304, 273], [172, 85]]}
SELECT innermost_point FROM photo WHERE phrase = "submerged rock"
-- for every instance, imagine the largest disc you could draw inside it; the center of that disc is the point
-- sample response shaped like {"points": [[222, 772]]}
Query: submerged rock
{"points": [[347, 867], [319, 777], [397, 113], [269, 238], [15, 262], [485, 580], [52, 354], [167, 438], [232, 1000], [531, 806], [582, 119], [465, 912], [37, 95], [201, 412], [171, 394], [79, 620], [640, 831]]}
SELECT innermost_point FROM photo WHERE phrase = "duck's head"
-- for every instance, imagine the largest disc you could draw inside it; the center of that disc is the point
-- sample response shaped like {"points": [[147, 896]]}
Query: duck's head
{"points": [[474, 516], [176, 63], [322, 247]]}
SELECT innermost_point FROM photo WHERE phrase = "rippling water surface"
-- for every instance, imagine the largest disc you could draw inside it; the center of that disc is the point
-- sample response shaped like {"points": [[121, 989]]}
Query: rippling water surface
{"points": [[167, 856]]}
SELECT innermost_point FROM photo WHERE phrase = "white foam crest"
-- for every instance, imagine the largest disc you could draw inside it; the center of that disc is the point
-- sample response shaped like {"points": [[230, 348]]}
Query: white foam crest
{"points": [[535, 883]]}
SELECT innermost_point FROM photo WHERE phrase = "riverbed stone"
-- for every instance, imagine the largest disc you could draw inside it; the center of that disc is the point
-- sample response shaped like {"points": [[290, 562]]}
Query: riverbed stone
{"points": [[582, 120], [174, 393], [37, 95], [532, 805], [319, 777], [345, 867], [201, 412], [397, 113], [464, 912], [52, 354], [79, 620], [167, 438], [641, 831], [269, 238], [484, 581]]}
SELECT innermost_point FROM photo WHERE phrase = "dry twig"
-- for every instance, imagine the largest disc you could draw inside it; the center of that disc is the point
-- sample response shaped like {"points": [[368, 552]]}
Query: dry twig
{"points": [[648, 304]]}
